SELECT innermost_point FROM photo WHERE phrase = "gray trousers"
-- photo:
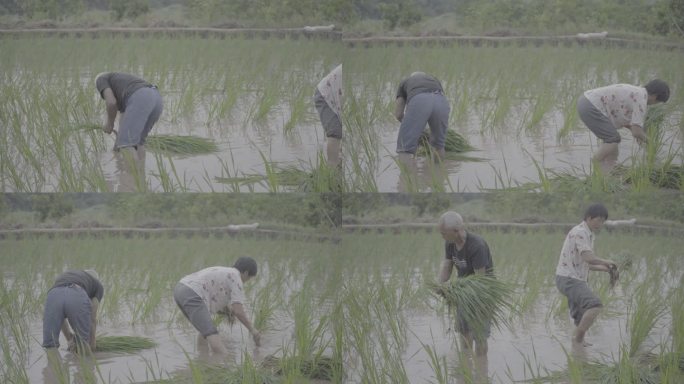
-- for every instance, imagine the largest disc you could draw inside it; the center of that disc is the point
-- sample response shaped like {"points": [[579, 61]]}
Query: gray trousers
{"points": [[68, 302], [143, 109], [425, 108], [332, 125], [194, 309], [596, 121], [580, 297]]}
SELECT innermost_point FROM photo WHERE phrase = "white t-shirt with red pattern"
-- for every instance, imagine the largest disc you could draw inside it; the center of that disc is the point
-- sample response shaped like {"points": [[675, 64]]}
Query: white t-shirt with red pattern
{"points": [[623, 104], [219, 287], [579, 239], [330, 88]]}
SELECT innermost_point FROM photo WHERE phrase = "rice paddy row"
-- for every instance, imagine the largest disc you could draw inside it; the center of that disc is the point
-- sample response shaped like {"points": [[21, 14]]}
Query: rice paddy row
{"points": [[364, 302], [257, 93]]}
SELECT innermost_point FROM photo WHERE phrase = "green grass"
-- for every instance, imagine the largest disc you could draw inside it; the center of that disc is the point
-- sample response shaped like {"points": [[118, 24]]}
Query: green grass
{"points": [[123, 344]]}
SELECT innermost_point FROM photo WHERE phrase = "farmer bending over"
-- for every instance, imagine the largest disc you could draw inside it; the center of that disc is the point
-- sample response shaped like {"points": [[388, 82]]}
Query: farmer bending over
{"points": [[420, 100], [328, 101], [216, 290], [140, 105], [604, 110], [75, 296], [576, 259], [469, 253]]}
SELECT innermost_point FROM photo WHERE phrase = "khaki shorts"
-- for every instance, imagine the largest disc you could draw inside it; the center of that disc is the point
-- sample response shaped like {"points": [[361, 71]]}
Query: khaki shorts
{"points": [[580, 297]]}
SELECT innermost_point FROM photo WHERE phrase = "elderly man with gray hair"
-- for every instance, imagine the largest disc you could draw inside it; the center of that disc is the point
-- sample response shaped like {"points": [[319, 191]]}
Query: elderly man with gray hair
{"points": [[75, 296], [469, 254]]}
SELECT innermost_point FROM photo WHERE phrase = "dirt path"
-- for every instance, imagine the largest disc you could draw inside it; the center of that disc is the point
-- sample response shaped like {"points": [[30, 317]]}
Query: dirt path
{"points": [[335, 238], [333, 34], [175, 32]]}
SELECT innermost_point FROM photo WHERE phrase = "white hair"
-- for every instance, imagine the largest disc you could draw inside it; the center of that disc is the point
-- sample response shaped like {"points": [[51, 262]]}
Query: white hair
{"points": [[417, 73], [451, 220], [92, 273]]}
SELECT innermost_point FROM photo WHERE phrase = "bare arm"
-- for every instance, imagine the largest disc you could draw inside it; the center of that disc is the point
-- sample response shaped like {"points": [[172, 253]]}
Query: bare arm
{"points": [[110, 100], [638, 133], [95, 304], [445, 270], [399, 108], [595, 263], [239, 312]]}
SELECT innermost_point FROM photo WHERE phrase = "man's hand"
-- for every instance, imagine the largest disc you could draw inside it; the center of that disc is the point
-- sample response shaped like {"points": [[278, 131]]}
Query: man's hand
{"points": [[614, 274], [639, 134], [256, 336], [440, 291], [108, 127]]}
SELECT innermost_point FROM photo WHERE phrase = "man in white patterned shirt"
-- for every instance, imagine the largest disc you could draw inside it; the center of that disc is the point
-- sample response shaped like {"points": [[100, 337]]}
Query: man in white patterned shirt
{"points": [[216, 290], [604, 110], [576, 259], [328, 101]]}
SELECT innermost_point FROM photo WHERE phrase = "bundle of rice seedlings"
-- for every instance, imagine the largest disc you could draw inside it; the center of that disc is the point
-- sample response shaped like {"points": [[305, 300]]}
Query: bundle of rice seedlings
{"points": [[226, 314], [454, 142], [220, 374], [170, 144], [180, 145], [665, 176], [123, 344], [87, 127], [317, 367], [478, 298]]}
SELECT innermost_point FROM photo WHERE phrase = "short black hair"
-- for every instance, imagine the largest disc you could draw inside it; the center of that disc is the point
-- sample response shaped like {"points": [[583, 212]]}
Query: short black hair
{"points": [[658, 88], [596, 210], [246, 264]]}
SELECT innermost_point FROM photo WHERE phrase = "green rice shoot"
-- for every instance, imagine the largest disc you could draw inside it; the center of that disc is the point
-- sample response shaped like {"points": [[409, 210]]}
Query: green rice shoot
{"points": [[123, 344], [454, 142], [477, 298], [180, 145], [170, 144]]}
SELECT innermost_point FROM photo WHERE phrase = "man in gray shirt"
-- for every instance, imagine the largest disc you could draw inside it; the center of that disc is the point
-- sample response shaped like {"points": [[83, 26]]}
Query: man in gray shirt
{"points": [[420, 100], [140, 105], [75, 296]]}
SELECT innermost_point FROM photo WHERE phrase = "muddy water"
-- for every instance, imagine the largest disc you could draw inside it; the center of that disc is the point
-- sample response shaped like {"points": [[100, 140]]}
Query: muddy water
{"points": [[535, 345], [506, 159], [240, 154]]}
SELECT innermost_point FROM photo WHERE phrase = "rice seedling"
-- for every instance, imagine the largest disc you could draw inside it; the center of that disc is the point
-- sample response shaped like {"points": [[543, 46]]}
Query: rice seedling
{"points": [[123, 344], [478, 298], [317, 367], [181, 145]]}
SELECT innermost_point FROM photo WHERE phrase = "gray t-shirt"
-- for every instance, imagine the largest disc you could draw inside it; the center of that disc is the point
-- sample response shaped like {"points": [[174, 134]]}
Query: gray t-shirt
{"points": [[474, 255], [91, 285], [122, 84], [419, 83]]}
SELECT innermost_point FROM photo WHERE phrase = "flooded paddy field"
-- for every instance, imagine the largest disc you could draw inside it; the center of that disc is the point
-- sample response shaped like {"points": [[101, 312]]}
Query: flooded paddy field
{"points": [[363, 301], [253, 98]]}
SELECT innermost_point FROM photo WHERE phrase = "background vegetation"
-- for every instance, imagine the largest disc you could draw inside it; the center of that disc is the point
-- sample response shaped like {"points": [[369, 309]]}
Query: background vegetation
{"points": [[654, 17]]}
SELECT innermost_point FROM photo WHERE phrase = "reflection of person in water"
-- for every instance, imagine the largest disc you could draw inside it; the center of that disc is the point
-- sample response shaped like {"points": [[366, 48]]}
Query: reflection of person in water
{"points": [[58, 371], [328, 101], [427, 176], [140, 105], [216, 290]]}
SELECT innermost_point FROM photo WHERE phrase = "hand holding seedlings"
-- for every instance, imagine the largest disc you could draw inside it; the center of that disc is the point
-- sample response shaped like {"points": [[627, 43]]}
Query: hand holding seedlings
{"points": [[614, 274]]}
